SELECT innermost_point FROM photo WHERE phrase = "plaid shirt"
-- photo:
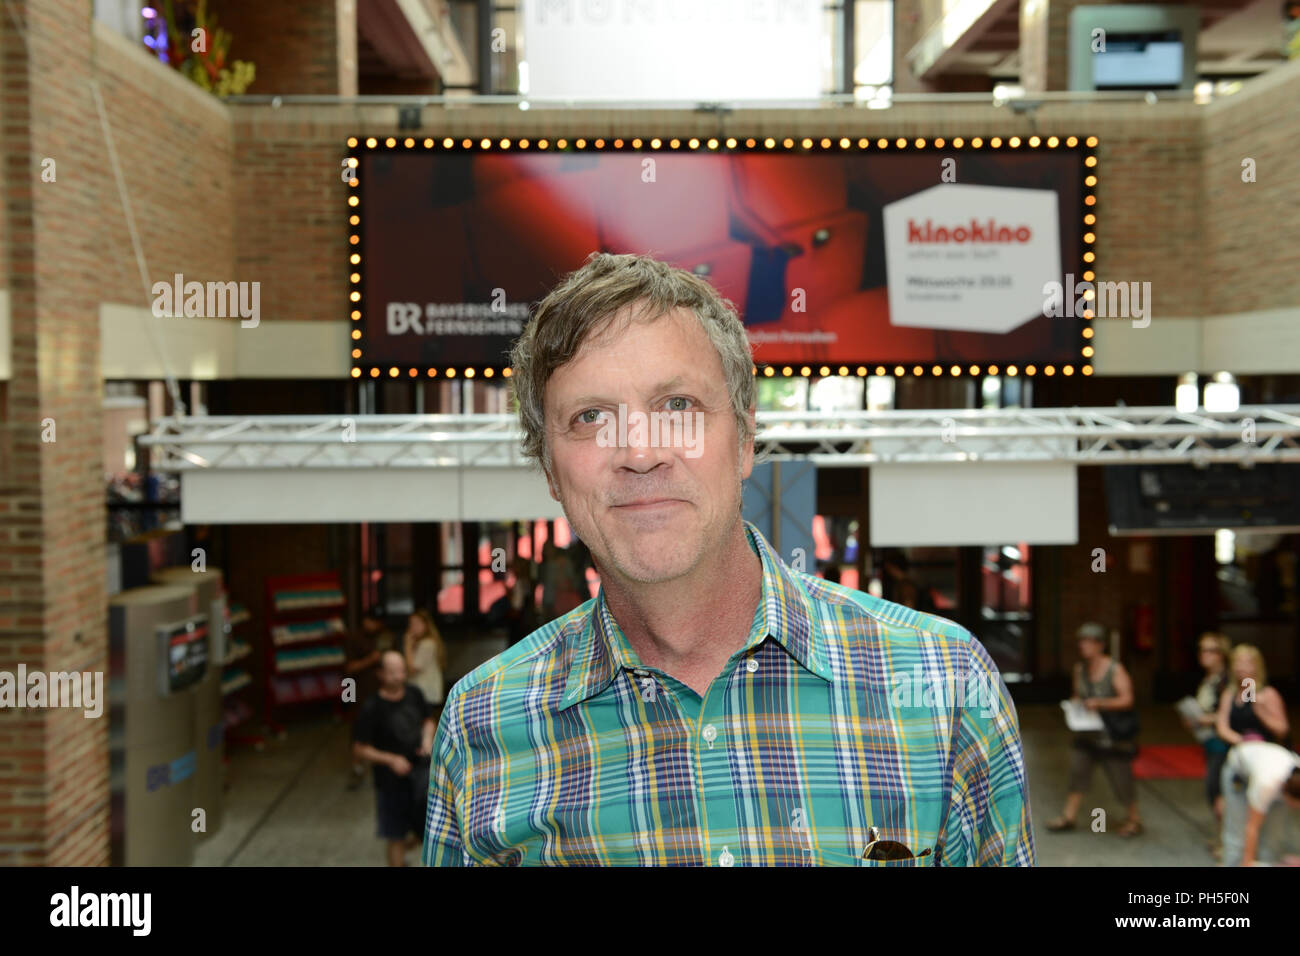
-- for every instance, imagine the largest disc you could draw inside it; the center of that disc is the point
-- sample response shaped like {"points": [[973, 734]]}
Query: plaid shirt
{"points": [[842, 712]]}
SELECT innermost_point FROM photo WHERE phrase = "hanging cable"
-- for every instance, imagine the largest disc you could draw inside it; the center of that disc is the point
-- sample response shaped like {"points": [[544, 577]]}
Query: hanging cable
{"points": [[173, 387]]}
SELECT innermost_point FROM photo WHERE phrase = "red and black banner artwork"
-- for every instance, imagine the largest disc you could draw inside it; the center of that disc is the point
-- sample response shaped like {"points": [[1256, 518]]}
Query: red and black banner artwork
{"points": [[895, 253]]}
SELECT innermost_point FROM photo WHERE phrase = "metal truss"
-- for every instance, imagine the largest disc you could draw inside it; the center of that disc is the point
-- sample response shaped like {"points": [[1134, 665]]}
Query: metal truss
{"points": [[1086, 436]]}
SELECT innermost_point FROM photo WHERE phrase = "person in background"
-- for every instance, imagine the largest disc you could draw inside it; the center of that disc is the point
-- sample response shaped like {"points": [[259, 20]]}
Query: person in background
{"points": [[1103, 685], [900, 586], [394, 734], [1260, 781], [1212, 650], [521, 612], [1250, 709], [363, 650], [561, 585], [426, 656], [547, 573]]}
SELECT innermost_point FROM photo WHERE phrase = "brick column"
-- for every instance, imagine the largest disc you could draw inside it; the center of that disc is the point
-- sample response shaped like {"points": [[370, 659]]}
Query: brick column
{"points": [[1033, 45], [911, 19], [1045, 42], [54, 789]]}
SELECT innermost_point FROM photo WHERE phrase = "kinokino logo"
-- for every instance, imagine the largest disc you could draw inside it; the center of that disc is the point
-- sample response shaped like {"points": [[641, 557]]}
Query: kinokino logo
{"points": [[102, 909], [212, 300], [672, 429], [976, 231], [84, 689]]}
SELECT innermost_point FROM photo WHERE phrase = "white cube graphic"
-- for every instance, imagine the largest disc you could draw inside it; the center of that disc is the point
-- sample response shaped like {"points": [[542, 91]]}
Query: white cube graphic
{"points": [[971, 258]]}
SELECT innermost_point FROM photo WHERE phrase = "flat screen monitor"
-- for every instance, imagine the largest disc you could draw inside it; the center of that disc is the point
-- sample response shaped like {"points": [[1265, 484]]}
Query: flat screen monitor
{"points": [[1139, 61]]}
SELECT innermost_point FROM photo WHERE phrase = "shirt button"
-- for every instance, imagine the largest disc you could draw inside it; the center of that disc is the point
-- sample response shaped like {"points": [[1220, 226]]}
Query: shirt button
{"points": [[710, 733], [725, 858], [751, 665]]}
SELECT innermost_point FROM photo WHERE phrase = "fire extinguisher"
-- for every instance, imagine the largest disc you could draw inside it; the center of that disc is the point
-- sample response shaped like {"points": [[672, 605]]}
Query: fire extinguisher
{"points": [[1144, 628]]}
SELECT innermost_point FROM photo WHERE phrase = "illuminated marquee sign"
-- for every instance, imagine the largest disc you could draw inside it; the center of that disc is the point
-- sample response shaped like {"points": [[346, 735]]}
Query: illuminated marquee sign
{"points": [[842, 256]]}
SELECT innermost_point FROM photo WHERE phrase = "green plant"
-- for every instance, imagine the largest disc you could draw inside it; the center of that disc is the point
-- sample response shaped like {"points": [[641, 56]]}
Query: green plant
{"points": [[199, 49]]}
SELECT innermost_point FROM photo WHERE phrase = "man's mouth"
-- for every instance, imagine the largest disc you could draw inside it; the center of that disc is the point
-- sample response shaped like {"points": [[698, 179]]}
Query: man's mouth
{"points": [[650, 504]]}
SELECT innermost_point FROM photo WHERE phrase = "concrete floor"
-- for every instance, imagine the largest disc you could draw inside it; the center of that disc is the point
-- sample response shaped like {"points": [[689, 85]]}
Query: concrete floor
{"points": [[288, 804]]}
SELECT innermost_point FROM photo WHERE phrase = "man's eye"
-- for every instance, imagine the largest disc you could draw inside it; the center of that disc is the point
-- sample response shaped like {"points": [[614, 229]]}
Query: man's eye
{"points": [[673, 406], [585, 420]]}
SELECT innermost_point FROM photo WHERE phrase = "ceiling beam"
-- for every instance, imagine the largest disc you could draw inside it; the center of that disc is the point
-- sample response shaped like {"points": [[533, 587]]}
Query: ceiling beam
{"points": [[955, 33]]}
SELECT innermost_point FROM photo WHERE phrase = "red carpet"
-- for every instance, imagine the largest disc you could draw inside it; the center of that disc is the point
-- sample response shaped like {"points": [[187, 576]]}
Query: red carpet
{"points": [[1180, 762]]}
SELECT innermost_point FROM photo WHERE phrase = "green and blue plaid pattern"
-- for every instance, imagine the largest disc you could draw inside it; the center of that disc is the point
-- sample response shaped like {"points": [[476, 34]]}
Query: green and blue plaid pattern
{"points": [[841, 713]]}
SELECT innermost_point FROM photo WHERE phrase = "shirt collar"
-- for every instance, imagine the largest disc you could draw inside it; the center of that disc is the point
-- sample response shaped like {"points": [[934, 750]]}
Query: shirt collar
{"points": [[784, 613]]}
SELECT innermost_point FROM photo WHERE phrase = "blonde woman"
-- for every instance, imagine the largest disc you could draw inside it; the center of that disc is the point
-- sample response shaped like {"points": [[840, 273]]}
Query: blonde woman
{"points": [[1252, 719], [426, 656], [1249, 708]]}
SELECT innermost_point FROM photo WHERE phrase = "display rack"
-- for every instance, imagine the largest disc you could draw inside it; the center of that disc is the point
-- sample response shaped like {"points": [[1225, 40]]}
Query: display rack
{"points": [[237, 708], [305, 630]]}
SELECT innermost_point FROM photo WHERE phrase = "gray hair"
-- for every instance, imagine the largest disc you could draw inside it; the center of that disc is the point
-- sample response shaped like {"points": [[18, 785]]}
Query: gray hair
{"points": [[584, 304], [1093, 631]]}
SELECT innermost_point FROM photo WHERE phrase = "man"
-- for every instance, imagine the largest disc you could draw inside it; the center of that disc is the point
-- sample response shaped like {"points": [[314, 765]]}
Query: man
{"points": [[362, 651], [1260, 781], [394, 733], [710, 706]]}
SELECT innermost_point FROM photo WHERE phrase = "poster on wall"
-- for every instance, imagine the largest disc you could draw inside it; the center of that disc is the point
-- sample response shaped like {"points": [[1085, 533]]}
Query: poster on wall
{"points": [[182, 653], [884, 254]]}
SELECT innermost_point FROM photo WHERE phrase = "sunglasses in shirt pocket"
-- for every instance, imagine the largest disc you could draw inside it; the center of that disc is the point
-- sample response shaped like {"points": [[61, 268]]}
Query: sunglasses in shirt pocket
{"points": [[882, 850], [843, 857]]}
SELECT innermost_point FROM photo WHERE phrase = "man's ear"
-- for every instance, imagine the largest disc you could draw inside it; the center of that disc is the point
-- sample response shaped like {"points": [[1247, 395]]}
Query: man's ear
{"points": [[550, 483], [747, 451]]}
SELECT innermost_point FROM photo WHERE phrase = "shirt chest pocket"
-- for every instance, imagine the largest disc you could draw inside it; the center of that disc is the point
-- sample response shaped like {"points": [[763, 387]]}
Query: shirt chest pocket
{"points": [[840, 857]]}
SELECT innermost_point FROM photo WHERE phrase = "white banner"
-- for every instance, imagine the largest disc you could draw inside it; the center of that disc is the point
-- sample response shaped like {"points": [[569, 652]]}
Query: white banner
{"points": [[971, 258], [704, 50]]}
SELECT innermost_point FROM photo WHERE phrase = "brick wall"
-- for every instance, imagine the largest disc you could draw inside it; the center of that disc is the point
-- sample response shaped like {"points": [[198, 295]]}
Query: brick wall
{"points": [[298, 46], [177, 170], [1253, 229], [54, 806], [68, 251]]}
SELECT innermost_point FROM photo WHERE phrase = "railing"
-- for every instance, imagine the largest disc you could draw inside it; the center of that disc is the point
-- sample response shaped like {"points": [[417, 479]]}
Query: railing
{"points": [[826, 100], [1088, 436]]}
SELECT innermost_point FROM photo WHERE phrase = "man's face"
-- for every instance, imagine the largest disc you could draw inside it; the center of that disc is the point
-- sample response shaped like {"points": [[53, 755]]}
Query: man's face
{"points": [[392, 671], [649, 514]]}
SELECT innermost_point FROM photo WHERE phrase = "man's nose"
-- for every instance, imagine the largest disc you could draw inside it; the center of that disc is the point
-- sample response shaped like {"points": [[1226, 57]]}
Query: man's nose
{"points": [[647, 445]]}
